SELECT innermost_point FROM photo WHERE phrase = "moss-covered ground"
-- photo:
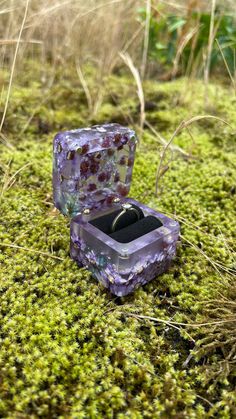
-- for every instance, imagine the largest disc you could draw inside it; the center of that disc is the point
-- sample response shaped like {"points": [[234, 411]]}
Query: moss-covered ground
{"points": [[68, 348]]}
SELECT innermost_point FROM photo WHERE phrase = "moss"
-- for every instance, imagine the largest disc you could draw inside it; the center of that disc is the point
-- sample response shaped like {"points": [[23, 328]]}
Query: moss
{"points": [[67, 348]]}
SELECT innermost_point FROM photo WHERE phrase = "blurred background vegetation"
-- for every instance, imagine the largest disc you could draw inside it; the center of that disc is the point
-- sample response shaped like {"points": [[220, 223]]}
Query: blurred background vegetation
{"points": [[94, 39], [180, 39], [165, 39]]}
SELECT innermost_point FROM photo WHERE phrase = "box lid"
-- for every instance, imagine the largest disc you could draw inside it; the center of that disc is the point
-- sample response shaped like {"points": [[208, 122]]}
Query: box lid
{"points": [[92, 167]]}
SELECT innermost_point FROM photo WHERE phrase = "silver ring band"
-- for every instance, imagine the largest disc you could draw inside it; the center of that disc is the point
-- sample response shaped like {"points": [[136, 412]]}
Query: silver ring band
{"points": [[126, 207]]}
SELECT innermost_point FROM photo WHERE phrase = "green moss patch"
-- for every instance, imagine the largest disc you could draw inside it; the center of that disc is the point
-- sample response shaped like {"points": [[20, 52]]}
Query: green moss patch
{"points": [[68, 348]]}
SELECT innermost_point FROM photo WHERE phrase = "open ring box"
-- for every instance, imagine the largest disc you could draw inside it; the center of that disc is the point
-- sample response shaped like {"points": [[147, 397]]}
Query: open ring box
{"points": [[92, 173]]}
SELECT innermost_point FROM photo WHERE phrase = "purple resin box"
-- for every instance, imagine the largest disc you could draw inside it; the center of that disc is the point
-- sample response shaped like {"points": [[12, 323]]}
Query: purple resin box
{"points": [[122, 242], [92, 166]]}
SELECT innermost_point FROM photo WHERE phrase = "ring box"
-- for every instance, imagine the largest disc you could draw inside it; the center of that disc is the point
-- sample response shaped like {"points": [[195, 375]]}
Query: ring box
{"points": [[92, 171]]}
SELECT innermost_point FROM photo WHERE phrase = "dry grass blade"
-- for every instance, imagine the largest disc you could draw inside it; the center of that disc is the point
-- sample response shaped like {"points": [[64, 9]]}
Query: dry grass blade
{"points": [[132, 39], [235, 66], [222, 337], [175, 5], [36, 110], [128, 61], [230, 249], [210, 42], [146, 38], [181, 47], [14, 246], [22, 41], [215, 265], [171, 323], [9, 181], [183, 125], [49, 10], [166, 322], [221, 266], [13, 65], [85, 87], [5, 178], [5, 141], [233, 80], [164, 142], [5, 11], [95, 9]]}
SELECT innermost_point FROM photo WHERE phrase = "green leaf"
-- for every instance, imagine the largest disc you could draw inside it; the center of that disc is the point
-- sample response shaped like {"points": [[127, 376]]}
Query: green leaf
{"points": [[160, 46], [178, 24]]}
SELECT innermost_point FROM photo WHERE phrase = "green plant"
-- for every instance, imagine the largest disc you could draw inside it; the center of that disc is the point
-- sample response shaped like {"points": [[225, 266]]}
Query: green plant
{"points": [[168, 32]]}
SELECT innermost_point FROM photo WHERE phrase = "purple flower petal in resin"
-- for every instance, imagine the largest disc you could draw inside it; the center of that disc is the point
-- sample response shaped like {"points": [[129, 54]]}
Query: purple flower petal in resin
{"points": [[102, 177], [92, 187], [91, 155]]}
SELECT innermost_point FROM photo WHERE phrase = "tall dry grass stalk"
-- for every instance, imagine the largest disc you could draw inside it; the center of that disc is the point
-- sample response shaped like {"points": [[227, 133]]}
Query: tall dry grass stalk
{"points": [[146, 37], [210, 42], [58, 34], [231, 76], [186, 39], [94, 30], [128, 61], [13, 65]]}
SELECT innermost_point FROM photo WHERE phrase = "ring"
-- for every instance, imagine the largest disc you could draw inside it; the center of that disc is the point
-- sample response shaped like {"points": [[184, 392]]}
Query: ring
{"points": [[126, 207]]}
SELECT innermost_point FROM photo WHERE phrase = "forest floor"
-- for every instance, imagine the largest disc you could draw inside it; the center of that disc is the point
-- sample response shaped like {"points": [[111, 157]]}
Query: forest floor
{"points": [[70, 349]]}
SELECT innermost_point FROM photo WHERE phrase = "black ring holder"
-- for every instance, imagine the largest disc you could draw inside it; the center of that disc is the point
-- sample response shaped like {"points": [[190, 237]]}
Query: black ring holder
{"points": [[128, 228]]}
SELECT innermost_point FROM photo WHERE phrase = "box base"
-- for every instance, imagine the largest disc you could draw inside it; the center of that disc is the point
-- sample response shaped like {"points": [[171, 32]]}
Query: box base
{"points": [[123, 285], [118, 284]]}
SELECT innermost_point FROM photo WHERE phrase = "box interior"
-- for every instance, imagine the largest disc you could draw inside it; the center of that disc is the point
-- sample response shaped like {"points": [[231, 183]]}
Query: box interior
{"points": [[128, 228]]}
